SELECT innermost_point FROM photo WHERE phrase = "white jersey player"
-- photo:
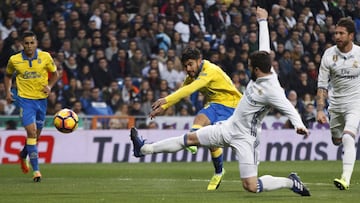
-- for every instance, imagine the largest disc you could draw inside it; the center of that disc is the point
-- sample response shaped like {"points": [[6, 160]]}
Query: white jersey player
{"points": [[339, 78], [242, 130]]}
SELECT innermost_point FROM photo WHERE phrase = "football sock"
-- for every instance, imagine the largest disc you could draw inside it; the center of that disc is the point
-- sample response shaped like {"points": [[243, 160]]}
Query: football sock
{"points": [[349, 157], [273, 183], [24, 152], [172, 144], [33, 153], [217, 159], [260, 187]]}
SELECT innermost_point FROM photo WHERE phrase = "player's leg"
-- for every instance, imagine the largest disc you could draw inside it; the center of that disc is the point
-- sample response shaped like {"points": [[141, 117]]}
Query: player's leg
{"points": [[337, 126], [27, 117], [208, 135], [348, 140], [213, 137], [31, 145], [40, 106], [172, 144], [24, 162], [208, 116], [248, 166], [216, 155]]}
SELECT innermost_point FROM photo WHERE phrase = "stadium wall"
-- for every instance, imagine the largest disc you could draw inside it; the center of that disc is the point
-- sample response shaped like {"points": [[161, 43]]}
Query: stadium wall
{"points": [[110, 146]]}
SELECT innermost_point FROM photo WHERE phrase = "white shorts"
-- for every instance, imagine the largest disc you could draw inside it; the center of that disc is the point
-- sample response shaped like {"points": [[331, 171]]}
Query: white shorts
{"points": [[344, 120], [245, 146]]}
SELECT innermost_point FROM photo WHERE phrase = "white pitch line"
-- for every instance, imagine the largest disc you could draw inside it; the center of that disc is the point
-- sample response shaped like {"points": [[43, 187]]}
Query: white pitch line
{"points": [[204, 180]]}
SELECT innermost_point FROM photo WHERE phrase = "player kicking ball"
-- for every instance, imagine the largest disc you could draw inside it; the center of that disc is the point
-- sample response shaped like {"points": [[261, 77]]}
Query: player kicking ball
{"points": [[242, 130]]}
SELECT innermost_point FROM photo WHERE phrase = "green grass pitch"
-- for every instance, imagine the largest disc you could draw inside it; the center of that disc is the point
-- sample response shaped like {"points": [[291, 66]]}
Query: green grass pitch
{"points": [[168, 182]]}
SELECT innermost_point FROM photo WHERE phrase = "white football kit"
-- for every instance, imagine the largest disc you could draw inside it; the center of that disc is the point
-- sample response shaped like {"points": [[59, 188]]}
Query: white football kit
{"points": [[339, 73], [242, 130]]}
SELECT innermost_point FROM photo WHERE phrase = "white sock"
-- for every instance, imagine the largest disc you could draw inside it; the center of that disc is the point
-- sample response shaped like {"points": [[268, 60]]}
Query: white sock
{"points": [[349, 157], [273, 183], [172, 144]]}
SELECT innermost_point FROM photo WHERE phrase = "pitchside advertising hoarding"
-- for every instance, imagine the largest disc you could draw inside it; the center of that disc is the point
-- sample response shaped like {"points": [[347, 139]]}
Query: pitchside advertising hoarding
{"points": [[110, 146]]}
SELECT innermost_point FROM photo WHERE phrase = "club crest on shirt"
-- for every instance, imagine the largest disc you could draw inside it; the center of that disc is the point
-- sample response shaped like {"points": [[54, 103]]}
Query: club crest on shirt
{"points": [[356, 64], [39, 61], [335, 58]]}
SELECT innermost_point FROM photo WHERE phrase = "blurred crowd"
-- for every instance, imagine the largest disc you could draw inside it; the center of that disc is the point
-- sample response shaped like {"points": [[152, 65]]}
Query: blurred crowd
{"points": [[116, 57]]}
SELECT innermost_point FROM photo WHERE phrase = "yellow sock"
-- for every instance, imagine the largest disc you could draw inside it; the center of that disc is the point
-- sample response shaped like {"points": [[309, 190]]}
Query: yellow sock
{"points": [[216, 153], [31, 141]]}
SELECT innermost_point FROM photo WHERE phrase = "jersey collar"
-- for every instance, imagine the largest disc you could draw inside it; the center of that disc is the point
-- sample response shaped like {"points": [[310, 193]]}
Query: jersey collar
{"points": [[344, 55], [27, 58]]}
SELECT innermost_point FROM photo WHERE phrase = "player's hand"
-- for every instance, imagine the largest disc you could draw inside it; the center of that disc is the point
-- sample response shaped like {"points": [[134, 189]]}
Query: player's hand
{"points": [[47, 89], [261, 13], [321, 117], [155, 112], [9, 98], [303, 131], [156, 107]]}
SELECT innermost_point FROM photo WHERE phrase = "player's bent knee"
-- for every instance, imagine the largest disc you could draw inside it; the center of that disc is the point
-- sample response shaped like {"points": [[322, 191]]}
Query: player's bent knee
{"points": [[191, 139], [249, 186]]}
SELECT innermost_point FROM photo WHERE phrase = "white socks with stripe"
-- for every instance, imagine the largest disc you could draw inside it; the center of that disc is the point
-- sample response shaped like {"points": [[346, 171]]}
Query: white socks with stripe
{"points": [[349, 157]]}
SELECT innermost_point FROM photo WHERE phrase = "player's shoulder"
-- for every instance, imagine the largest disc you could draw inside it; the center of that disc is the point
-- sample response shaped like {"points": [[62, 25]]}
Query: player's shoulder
{"points": [[330, 51], [43, 53], [16, 58], [211, 67], [356, 48], [16, 55]]}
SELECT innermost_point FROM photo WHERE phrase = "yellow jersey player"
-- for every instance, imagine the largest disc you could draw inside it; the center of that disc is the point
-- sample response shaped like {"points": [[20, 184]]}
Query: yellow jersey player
{"points": [[31, 67], [220, 94]]}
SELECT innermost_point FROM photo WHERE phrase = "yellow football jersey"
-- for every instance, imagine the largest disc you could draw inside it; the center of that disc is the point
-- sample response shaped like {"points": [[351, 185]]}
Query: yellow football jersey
{"points": [[31, 74], [212, 82]]}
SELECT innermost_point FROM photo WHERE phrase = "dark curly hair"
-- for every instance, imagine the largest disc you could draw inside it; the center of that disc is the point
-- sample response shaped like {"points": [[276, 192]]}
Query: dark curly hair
{"points": [[348, 24], [190, 53], [261, 60]]}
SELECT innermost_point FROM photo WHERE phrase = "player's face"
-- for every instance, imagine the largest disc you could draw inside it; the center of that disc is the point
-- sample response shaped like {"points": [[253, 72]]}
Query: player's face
{"points": [[192, 67], [342, 37], [30, 45]]}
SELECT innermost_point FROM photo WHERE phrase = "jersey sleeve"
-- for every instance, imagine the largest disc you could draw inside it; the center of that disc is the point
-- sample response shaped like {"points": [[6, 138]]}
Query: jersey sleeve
{"points": [[10, 68], [51, 67], [187, 89], [279, 101], [264, 40], [324, 73]]}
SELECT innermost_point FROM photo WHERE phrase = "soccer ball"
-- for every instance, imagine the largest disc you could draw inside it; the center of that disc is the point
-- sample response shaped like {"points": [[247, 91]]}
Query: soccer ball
{"points": [[66, 120]]}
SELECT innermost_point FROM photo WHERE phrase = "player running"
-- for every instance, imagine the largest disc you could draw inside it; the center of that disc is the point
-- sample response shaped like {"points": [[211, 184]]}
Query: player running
{"points": [[31, 67], [340, 70]]}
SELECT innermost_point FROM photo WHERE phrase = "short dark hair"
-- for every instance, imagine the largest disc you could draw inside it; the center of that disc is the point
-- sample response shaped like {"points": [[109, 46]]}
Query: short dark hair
{"points": [[190, 53], [261, 60], [27, 34], [347, 23]]}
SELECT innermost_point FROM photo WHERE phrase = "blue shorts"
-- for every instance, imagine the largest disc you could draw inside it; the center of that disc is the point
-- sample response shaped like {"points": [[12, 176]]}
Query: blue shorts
{"points": [[32, 111], [216, 112]]}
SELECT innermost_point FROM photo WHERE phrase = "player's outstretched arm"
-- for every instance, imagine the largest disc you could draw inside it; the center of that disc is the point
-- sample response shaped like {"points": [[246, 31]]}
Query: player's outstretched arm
{"points": [[264, 39]]}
